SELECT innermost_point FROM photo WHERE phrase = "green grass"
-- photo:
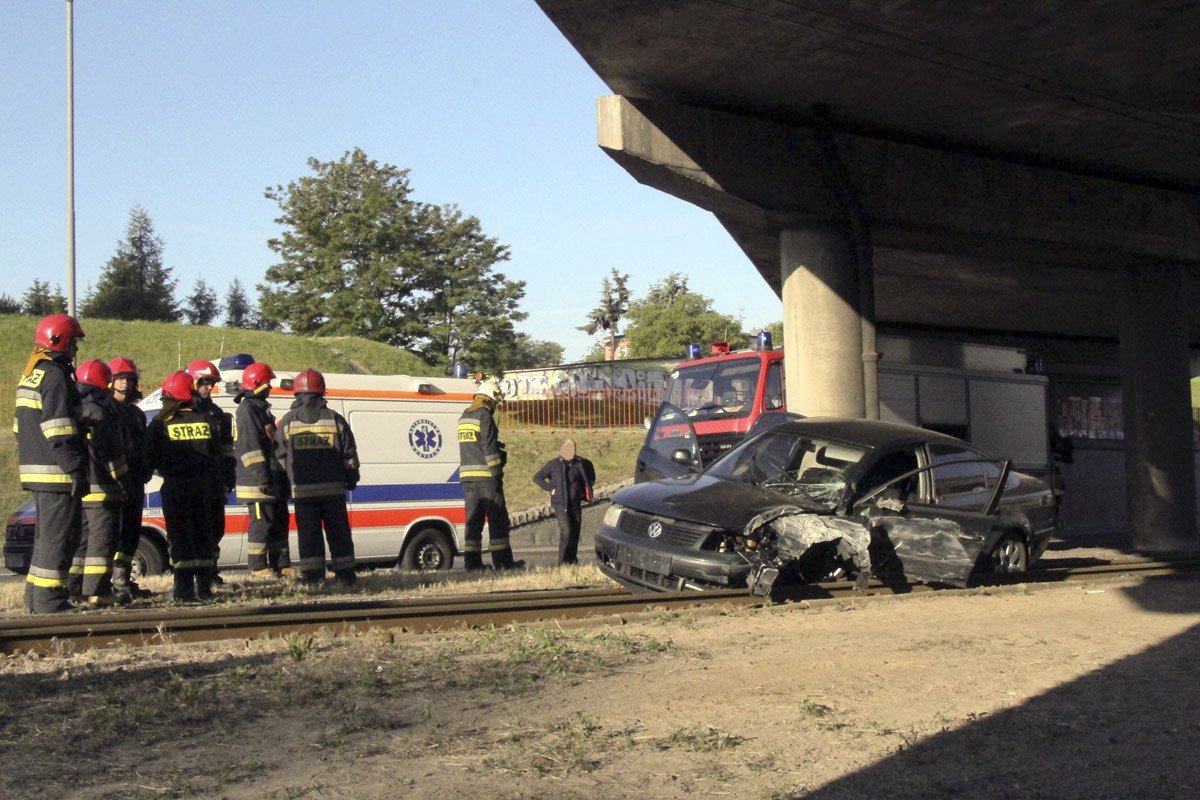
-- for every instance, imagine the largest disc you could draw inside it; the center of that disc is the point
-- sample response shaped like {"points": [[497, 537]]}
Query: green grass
{"points": [[160, 348]]}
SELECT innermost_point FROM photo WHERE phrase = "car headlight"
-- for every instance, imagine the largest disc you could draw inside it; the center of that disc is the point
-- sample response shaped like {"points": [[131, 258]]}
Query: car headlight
{"points": [[612, 517]]}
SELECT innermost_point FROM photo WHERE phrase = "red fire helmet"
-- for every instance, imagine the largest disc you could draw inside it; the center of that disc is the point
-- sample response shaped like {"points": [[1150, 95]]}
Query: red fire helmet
{"points": [[57, 331], [94, 373], [178, 386], [309, 381]]}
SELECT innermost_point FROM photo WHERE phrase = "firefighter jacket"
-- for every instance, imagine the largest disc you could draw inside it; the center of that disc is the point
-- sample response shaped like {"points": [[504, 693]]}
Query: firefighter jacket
{"points": [[183, 444], [481, 455], [133, 420], [259, 476], [50, 448], [315, 445], [223, 424], [107, 445]]}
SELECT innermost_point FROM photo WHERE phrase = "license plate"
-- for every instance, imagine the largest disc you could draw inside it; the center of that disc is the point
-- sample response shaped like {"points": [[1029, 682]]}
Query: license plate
{"points": [[644, 559]]}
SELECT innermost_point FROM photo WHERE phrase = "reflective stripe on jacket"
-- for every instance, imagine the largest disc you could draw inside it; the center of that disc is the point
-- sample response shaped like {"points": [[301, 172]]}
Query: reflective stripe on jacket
{"points": [[51, 452], [315, 445], [480, 453]]}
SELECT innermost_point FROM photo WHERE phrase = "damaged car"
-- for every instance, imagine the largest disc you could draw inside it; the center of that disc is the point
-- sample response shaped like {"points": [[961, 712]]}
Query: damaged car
{"points": [[808, 498]]}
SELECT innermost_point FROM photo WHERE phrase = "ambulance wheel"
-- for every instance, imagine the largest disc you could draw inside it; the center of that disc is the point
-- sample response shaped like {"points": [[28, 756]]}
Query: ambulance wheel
{"points": [[428, 550], [149, 559]]}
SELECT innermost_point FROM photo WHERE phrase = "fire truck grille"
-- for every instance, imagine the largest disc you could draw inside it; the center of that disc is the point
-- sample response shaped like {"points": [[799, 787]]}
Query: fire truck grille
{"points": [[713, 446]]}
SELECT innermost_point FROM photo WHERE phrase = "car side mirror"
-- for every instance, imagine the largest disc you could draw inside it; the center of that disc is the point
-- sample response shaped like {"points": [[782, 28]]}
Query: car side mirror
{"points": [[683, 457]]}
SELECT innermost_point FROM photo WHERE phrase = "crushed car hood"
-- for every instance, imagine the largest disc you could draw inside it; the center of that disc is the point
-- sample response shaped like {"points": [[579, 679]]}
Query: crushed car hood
{"points": [[701, 499]]}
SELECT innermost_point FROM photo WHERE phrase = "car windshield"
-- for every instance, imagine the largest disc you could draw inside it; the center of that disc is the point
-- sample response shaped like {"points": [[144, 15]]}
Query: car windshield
{"points": [[720, 389], [809, 471]]}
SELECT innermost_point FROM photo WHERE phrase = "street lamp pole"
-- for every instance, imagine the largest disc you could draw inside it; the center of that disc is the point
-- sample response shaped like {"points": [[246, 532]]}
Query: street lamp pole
{"points": [[70, 158]]}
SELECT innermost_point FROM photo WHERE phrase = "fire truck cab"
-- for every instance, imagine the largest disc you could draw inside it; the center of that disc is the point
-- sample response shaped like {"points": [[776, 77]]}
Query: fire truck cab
{"points": [[979, 393]]}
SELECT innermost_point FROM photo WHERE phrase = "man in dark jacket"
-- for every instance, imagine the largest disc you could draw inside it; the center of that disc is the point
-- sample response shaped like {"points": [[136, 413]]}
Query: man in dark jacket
{"points": [[316, 447], [205, 374], [125, 392], [569, 479], [91, 570], [481, 470], [53, 459], [261, 482]]}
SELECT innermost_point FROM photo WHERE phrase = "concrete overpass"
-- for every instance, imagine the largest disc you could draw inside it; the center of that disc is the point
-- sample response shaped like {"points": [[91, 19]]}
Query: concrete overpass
{"points": [[1021, 167]]}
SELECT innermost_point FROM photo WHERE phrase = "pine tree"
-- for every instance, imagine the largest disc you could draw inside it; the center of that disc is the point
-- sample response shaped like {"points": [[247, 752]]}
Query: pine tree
{"points": [[134, 283], [9, 304], [39, 301], [238, 313], [614, 303], [201, 306]]}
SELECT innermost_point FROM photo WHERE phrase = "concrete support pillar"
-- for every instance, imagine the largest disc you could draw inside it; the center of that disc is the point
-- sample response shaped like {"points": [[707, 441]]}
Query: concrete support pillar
{"points": [[822, 327], [1159, 462]]}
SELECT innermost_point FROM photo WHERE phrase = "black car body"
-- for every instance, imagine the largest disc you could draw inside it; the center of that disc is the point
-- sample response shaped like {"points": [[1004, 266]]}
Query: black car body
{"points": [[933, 507], [18, 537]]}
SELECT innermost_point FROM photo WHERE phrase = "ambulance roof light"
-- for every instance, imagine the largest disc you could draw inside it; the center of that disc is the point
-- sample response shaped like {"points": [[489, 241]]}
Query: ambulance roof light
{"points": [[239, 361]]}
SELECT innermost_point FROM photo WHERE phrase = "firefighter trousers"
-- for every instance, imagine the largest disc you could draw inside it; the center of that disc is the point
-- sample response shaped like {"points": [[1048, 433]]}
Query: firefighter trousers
{"points": [[129, 532], [216, 510], [311, 515], [485, 502], [91, 569], [267, 539], [55, 539], [189, 527]]}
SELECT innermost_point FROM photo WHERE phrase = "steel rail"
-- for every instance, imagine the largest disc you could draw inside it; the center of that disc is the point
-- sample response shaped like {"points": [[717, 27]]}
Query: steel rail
{"points": [[75, 633]]}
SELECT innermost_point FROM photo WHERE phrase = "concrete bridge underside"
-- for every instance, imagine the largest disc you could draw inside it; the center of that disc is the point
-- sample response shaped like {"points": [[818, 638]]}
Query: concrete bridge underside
{"points": [[996, 167]]}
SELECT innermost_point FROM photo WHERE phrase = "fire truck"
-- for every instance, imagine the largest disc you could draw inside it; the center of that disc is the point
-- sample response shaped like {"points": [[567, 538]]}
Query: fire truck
{"points": [[986, 395]]}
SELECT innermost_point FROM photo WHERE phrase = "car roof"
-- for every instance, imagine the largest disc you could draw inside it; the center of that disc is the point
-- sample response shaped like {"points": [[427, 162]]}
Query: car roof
{"points": [[868, 432]]}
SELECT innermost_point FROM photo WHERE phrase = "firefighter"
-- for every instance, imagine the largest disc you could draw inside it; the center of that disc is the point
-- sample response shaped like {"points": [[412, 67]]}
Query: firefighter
{"points": [[53, 459], [481, 469], [205, 374], [261, 481], [315, 445], [91, 570], [125, 392], [183, 446]]}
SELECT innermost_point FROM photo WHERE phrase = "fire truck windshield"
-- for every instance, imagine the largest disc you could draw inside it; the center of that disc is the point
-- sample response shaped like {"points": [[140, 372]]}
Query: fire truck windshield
{"points": [[720, 389]]}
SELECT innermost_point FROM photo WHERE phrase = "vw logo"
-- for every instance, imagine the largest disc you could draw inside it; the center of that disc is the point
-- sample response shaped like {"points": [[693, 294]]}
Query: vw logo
{"points": [[655, 530]]}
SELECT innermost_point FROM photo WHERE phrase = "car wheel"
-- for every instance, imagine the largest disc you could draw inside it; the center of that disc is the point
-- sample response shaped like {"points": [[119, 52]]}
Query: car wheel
{"points": [[1009, 556], [148, 559], [428, 550]]}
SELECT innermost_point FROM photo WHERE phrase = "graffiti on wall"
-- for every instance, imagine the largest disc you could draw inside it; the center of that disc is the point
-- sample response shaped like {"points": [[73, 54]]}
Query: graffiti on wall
{"points": [[581, 380]]}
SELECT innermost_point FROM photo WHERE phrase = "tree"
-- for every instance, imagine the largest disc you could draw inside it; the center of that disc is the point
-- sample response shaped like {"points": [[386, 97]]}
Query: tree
{"points": [[39, 301], [9, 304], [529, 353], [359, 256], [465, 307], [614, 303], [671, 316], [134, 284], [238, 313], [201, 306]]}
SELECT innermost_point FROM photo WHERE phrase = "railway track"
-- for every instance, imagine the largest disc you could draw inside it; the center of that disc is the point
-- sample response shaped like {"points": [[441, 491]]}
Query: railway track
{"points": [[171, 625]]}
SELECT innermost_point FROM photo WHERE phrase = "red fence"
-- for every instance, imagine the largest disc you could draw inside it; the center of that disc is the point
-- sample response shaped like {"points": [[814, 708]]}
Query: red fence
{"points": [[596, 408]]}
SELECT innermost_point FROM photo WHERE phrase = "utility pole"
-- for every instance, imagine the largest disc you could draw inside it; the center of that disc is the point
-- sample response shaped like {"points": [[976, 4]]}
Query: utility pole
{"points": [[71, 157]]}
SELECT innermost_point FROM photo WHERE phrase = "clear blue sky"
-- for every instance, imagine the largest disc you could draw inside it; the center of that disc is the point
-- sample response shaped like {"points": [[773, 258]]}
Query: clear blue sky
{"points": [[192, 109]]}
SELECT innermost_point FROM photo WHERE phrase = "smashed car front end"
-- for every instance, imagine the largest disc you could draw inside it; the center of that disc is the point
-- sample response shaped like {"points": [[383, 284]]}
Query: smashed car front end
{"points": [[647, 552]]}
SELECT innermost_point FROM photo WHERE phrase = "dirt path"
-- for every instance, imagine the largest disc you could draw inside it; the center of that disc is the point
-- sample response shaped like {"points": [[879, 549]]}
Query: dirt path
{"points": [[1069, 692]]}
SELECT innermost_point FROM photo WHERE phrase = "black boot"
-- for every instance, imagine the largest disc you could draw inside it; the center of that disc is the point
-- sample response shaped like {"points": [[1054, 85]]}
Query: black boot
{"points": [[122, 591], [345, 578], [472, 562], [184, 590], [204, 584]]}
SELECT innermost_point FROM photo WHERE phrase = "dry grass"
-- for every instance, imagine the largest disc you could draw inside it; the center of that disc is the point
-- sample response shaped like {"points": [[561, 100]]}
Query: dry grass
{"points": [[243, 589], [342, 697]]}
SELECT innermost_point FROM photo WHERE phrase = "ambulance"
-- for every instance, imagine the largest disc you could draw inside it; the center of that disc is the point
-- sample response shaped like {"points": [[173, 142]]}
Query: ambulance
{"points": [[408, 506]]}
